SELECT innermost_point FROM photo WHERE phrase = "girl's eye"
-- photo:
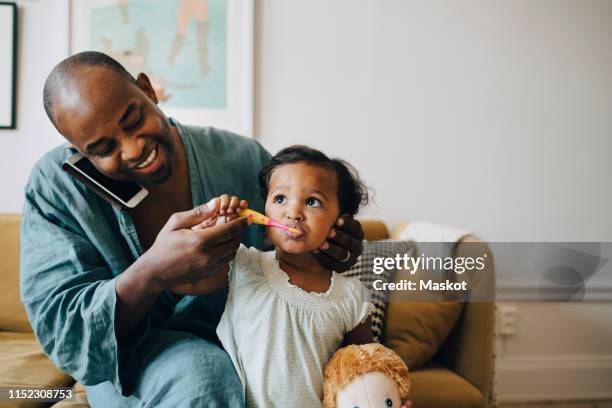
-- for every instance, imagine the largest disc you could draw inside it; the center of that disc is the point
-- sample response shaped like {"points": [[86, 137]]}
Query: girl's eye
{"points": [[279, 199], [388, 402], [313, 202]]}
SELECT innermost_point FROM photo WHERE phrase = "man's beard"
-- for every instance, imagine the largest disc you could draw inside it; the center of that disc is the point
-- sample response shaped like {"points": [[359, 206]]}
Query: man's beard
{"points": [[161, 175]]}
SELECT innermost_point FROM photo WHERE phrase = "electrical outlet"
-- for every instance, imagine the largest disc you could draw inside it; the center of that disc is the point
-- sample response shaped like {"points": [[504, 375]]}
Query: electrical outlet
{"points": [[507, 320]]}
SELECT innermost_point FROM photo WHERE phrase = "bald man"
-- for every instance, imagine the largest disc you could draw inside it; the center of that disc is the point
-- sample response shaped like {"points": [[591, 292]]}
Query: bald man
{"points": [[100, 284]]}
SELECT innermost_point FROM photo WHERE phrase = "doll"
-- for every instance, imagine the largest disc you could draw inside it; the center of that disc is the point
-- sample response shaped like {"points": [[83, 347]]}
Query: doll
{"points": [[365, 376]]}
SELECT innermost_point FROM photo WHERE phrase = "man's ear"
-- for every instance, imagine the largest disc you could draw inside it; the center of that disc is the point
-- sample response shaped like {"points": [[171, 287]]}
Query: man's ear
{"points": [[145, 84]]}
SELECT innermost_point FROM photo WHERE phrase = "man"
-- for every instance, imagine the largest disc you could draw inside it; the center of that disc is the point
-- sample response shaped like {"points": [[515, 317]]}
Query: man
{"points": [[100, 284]]}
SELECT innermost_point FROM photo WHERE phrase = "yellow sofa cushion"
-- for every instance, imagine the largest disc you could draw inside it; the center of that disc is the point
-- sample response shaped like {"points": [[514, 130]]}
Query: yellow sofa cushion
{"points": [[415, 329], [12, 313], [441, 388], [23, 363], [415, 326]]}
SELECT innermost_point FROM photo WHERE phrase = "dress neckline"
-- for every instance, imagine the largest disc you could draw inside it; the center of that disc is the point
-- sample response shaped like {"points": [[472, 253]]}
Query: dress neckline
{"points": [[279, 281]]}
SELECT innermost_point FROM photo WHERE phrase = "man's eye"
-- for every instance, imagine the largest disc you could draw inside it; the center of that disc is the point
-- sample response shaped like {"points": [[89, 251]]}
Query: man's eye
{"points": [[134, 123], [106, 150], [279, 199], [313, 202]]}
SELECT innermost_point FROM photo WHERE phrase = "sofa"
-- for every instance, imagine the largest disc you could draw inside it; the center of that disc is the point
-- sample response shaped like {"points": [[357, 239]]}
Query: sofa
{"points": [[457, 373]]}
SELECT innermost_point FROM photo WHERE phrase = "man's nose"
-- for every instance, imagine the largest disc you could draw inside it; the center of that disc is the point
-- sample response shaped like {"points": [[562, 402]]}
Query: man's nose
{"points": [[132, 150]]}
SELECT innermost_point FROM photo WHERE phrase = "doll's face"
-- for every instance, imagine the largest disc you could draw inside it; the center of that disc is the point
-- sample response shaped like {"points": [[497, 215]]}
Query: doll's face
{"points": [[370, 390]]}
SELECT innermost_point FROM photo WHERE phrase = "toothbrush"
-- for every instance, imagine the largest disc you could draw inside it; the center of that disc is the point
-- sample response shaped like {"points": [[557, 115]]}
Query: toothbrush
{"points": [[261, 219]]}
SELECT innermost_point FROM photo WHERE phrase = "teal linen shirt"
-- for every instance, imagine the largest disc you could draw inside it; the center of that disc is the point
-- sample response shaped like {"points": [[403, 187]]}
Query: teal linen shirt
{"points": [[74, 245]]}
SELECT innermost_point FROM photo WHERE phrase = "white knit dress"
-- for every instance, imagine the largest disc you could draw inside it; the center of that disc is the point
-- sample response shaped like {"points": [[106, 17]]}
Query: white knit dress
{"points": [[281, 337]]}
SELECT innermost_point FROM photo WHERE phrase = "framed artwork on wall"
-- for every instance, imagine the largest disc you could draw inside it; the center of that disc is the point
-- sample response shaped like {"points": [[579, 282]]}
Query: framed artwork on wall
{"points": [[198, 54], [8, 67]]}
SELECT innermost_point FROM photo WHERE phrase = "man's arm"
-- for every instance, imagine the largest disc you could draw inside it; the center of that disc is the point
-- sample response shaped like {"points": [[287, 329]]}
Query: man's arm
{"points": [[137, 293], [80, 312], [182, 259], [362, 334], [69, 294]]}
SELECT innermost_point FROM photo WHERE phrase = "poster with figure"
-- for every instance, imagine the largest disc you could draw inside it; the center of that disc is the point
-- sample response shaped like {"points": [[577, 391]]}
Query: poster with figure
{"points": [[197, 53]]}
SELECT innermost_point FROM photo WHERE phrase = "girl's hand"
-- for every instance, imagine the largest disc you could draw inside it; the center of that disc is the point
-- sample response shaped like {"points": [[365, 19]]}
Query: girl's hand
{"points": [[229, 209], [343, 245]]}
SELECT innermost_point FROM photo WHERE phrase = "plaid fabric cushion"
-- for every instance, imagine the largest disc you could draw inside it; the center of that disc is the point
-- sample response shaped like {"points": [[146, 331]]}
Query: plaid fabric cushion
{"points": [[364, 271]]}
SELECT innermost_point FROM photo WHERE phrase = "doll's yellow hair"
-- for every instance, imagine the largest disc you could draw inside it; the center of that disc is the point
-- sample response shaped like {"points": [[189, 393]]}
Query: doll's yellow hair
{"points": [[352, 361]]}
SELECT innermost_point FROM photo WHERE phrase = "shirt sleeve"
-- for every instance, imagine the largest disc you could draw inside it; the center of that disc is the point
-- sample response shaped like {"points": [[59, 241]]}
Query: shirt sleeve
{"points": [[70, 298], [234, 264], [245, 267], [358, 305]]}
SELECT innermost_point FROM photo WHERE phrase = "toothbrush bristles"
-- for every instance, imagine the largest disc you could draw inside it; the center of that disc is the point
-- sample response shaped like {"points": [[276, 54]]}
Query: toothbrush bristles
{"points": [[285, 227]]}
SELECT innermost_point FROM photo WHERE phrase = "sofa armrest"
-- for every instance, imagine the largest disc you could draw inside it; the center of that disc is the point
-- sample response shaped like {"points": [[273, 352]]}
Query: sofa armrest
{"points": [[374, 230], [470, 348]]}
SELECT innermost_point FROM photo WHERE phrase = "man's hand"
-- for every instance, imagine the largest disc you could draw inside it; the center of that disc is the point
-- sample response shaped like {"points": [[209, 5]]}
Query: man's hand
{"points": [[343, 245], [228, 209], [181, 255]]}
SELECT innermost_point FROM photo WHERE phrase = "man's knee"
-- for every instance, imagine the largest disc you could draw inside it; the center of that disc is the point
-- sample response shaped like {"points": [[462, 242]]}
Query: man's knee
{"points": [[186, 370]]}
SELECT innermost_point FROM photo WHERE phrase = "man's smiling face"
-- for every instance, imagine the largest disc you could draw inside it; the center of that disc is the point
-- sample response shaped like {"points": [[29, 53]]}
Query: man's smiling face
{"points": [[116, 123]]}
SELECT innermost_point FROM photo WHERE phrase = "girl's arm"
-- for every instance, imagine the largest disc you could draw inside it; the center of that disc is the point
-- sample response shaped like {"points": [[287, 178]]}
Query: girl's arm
{"points": [[361, 334]]}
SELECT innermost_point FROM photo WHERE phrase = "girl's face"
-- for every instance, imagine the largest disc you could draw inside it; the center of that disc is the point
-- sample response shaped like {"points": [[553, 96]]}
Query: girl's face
{"points": [[303, 196]]}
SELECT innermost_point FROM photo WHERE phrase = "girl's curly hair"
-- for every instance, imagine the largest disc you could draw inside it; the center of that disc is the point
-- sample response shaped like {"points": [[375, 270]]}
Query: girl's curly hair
{"points": [[352, 193]]}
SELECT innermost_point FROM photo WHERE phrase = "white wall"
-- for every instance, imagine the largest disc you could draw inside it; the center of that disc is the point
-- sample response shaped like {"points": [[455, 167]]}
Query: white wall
{"points": [[490, 115], [494, 116], [561, 351], [42, 44]]}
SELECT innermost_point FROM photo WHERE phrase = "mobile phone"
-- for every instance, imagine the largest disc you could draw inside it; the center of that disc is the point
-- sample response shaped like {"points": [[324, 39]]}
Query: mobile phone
{"points": [[118, 193]]}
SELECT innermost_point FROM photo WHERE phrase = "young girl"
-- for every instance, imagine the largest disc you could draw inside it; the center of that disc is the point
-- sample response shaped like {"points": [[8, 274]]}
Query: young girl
{"points": [[286, 314]]}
